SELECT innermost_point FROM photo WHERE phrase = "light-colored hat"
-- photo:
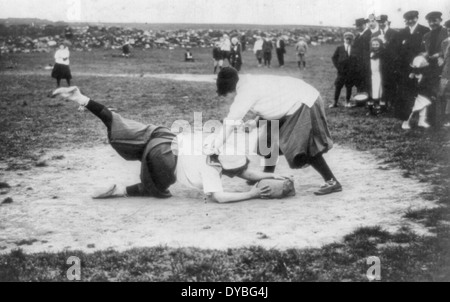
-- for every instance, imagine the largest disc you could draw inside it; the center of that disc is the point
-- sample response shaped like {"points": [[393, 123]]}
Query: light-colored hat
{"points": [[349, 34], [420, 62]]}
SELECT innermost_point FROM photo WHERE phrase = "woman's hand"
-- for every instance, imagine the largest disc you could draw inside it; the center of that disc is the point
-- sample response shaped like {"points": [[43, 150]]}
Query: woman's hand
{"points": [[263, 193]]}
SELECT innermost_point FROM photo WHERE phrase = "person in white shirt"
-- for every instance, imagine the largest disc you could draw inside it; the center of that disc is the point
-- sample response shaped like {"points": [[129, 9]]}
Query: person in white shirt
{"points": [[61, 70], [167, 158], [297, 108], [258, 50], [226, 47]]}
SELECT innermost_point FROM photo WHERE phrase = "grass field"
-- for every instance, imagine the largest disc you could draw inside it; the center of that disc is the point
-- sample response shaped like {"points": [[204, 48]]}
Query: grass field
{"points": [[31, 124]]}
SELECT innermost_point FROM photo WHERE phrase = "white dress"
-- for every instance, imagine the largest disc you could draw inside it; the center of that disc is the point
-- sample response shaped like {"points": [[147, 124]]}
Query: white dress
{"points": [[377, 89]]}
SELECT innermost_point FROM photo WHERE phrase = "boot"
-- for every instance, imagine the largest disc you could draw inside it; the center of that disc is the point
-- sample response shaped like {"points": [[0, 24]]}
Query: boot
{"points": [[423, 118]]}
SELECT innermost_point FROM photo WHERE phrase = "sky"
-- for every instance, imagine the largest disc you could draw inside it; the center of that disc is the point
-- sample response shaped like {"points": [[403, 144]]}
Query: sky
{"points": [[270, 12]]}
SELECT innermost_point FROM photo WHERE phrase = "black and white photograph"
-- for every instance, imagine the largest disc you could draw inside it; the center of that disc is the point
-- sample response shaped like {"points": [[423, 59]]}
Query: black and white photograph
{"points": [[246, 142]]}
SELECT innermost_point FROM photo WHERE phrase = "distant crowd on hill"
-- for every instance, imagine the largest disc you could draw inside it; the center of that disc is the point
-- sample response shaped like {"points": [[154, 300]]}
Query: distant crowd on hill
{"points": [[44, 38]]}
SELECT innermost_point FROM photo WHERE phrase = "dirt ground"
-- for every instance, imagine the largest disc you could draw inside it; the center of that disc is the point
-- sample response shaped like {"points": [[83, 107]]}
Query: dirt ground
{"points": [[53, 211]]}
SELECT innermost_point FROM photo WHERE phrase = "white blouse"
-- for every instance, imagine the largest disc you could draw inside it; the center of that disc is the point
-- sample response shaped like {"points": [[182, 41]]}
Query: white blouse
{"points": [[271, 97], [62, 56]]}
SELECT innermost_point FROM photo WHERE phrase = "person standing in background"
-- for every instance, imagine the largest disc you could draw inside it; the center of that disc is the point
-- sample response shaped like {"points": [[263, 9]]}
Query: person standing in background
{"points": [[226, 48], [433, 52], [301, 48], [236, 54], [267, 51], [61, 70], [244, 42], [281, 50], [411, 46], [258, 50], [217, 57], [390, 39], [362, 50], [444, 87], [345, 62]]}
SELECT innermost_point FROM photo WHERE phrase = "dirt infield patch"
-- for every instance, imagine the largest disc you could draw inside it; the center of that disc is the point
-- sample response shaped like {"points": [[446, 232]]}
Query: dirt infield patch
{"points": [[53, 211]]}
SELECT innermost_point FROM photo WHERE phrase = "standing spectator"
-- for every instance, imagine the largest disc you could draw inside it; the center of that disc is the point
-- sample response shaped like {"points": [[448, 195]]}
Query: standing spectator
{"points": [[411, 46], [267, 51], [345, 62], [281, 50], [301, 48], [258, 50], [373, 26], [126, 49], [236, 54], [390, 38], [217, 57], [362, 50], [188, 56], [61, 70], [226, 47], [444, 90], [376, 66], [433, 46], [244, 42]]}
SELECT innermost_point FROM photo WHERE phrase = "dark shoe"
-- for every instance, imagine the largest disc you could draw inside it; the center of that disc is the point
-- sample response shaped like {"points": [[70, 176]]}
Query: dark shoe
{"points": [[331, 186], [334, 106]]}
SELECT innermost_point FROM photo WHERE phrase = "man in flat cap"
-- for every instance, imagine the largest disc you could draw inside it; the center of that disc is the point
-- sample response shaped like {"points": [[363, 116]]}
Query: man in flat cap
{"points": [[411, 45], [435, 56], [344, 60], [362, 51], [390, 38]]}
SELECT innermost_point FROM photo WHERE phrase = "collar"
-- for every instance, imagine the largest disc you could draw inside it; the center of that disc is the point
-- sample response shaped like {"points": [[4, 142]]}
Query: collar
{"points": [[413, 29]]}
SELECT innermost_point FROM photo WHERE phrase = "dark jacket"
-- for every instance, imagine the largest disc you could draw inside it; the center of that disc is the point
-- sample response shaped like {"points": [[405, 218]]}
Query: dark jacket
{"points": [[267, 46], [344, 63], [282, 47], [362, 48], [441, 36], [411, 45]]}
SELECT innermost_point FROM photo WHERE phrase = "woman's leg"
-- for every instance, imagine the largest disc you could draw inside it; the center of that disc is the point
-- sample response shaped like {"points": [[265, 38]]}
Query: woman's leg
{"points": [[58, 82], [321, 166], [68, 82]]}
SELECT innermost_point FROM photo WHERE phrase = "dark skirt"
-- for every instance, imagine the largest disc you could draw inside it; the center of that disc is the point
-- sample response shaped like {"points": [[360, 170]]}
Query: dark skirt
{"points": [[153, 146], [61, 71], [303, 135]]}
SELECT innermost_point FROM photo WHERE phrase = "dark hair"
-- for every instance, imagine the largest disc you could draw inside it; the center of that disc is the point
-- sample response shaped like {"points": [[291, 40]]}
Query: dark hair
{"points": [[227, 80]]}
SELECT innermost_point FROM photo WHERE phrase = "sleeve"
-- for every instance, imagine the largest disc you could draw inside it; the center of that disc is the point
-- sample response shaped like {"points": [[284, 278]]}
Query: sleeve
{"points": [[335, 57], [241, 106], [211, 179]]}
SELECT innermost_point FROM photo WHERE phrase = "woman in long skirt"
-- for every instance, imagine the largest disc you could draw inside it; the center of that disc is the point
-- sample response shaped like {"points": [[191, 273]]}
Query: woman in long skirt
{"points": [[61, 70]]}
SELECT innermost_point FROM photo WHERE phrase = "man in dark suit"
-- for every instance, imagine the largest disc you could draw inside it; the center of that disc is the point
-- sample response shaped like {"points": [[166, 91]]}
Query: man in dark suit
{"points": [[344, 60], [281, 50], [411, 45], [362, 51], [435, 56], [390, 38]]}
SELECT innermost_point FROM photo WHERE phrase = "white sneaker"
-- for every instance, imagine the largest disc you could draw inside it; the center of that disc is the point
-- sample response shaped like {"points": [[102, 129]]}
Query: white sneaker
{"points": [[424, 124], [406, 125]]}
